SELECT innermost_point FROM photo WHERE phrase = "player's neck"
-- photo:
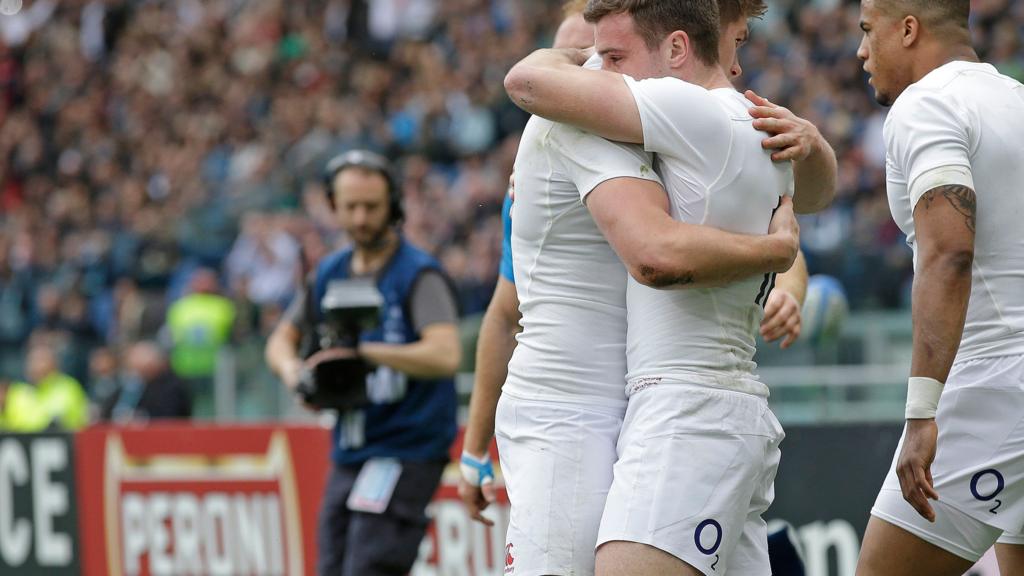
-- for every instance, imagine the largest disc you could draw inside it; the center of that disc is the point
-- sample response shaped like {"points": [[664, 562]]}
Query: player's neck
{"points": [[709, 77], [936, 54]]}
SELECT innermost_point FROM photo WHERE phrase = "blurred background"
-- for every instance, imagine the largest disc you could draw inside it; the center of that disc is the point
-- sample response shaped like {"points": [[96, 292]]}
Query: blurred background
{"points": [[159, 157]]}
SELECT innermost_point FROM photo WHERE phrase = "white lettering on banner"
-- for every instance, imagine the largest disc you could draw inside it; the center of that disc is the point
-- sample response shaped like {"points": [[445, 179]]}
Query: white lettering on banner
{"points": [[422, 568], [15, 533], [218, 534], [133, 530], [464, 546], [453, 534], [185, 523], [249, 534], [819, 537], [49, 499], [159, 539]]}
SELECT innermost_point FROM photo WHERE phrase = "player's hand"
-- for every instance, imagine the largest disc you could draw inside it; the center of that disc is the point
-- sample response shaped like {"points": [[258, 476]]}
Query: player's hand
{"points": [[784, 232], [792, 137], [914, 465], [781, 318], [476, 486]]}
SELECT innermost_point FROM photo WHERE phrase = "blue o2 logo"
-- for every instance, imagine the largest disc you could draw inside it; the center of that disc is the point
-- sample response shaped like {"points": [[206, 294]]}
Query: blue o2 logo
{"points": [[990, 494], [708, 525], [698, 536]]}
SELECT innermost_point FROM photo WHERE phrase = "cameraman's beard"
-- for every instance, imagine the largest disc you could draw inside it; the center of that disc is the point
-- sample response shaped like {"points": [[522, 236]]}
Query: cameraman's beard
{"points": [[378, 242]]}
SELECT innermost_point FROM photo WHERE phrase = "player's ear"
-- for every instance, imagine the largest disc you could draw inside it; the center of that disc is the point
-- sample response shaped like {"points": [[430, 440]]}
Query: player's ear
{"points": [[911, 29], [678, 47]]}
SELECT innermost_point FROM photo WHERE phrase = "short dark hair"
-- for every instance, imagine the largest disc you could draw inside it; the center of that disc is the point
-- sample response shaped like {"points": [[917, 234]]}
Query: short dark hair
{"points": [[931, 12], [656, 19], [731, 10]]}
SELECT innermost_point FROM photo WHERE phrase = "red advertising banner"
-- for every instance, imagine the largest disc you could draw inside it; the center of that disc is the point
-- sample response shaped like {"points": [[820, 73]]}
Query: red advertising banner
{"points": [[178, 499], [191, 500]]}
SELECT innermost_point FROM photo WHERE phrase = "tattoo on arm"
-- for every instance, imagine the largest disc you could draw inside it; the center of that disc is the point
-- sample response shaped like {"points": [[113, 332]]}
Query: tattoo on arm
{"points": [[961, 198]]}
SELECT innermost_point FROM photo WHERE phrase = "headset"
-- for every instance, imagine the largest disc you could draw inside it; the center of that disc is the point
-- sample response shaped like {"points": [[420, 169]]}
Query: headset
{"points": [[368, 161]]}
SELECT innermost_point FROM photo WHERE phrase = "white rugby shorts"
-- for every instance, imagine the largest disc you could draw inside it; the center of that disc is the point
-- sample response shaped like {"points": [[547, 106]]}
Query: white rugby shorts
{"points": [[696, 471], [979, 462], [557, 459]]}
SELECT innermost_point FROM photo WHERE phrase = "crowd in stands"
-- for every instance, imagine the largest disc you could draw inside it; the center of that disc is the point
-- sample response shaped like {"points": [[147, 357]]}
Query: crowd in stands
{"points": [[153, 150]]}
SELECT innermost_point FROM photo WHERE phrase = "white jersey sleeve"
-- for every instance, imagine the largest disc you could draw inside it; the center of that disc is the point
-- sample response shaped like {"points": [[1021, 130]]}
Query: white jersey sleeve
{"points": [[678, 118], [587, 160], [928, 144]]}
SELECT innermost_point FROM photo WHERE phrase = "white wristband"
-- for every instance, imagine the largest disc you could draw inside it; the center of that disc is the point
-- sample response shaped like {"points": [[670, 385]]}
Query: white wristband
{"points": [[923, 397]]}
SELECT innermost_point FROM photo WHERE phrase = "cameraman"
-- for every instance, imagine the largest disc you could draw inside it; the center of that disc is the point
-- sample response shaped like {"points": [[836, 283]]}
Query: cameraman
{"points": [[397, 444]]}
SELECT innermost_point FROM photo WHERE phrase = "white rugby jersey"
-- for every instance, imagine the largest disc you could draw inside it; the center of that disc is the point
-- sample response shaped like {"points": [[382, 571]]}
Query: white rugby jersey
{"points": [[716, 172], [964, 123], [571, 284]]}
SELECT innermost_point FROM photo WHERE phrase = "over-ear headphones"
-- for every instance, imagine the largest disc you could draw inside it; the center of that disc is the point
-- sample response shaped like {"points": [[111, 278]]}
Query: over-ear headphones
{"points": [[368, 161]]}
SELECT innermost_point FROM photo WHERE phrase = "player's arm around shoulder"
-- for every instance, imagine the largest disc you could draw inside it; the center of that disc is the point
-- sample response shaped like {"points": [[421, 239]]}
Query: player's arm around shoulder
{"points": [[798, 140], [661, 252], [551, 83]]}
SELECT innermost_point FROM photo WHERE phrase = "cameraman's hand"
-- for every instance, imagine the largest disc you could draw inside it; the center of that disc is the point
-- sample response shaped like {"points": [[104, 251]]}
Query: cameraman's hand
{"points": [[331, 354], [292, 374]]}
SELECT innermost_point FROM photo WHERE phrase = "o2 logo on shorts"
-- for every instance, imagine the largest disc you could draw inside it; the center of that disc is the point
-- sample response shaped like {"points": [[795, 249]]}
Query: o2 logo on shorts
{"points": [[708, 525], [1000, 484]]}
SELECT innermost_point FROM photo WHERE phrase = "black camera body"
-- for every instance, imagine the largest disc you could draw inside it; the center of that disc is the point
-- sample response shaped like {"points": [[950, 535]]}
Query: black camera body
{"points": [[339, 380]]}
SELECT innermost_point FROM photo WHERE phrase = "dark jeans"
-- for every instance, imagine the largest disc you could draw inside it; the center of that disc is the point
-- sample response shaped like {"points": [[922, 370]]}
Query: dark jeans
{"points": [[362, 544]]}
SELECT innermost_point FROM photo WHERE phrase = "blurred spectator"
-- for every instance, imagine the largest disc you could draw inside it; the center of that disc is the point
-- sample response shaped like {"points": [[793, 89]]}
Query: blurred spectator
{"points": [[199, 325], [48, 399], [264, 265], [146, 389], [103, 368]]}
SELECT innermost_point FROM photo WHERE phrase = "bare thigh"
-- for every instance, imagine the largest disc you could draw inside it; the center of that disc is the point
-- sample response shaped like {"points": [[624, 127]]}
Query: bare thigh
{"points": [[620, 558], [889, 550], [1011, 558]]}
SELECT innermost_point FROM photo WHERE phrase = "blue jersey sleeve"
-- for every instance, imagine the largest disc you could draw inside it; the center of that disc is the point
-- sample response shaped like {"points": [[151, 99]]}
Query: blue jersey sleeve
{"points": [[506, 240]]}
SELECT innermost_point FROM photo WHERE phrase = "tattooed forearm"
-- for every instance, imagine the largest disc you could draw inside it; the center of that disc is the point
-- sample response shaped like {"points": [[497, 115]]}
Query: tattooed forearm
{"points": [[961, 198]]}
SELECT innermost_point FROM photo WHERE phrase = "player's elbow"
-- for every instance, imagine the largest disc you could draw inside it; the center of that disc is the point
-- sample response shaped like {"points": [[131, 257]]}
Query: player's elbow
{"points": [[655, 272], [958, 262], [950, 262], [519, 84]]}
